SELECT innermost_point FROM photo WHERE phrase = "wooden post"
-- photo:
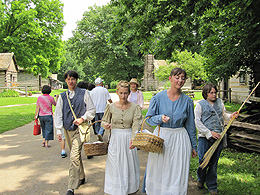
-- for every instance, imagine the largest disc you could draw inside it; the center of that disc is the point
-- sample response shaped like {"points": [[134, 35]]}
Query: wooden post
{"points": [[26, 91], [229, 95]]}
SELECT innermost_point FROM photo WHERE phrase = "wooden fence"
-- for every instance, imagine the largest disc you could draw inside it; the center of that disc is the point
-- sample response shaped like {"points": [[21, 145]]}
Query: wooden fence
{"points": [[245, 134], [191, 94], [18, 88]]}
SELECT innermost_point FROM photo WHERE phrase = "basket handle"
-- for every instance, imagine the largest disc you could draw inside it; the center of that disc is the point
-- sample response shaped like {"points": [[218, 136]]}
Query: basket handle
{"points": [[142, 127], [99, 121]]}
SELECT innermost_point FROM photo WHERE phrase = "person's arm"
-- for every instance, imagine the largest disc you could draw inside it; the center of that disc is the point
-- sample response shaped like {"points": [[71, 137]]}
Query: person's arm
{"points": [[141, 99], [106, 120], [137, 121], [200, 126], [90, 108], [58, 122], [153, 113], [190, 126], [57, 96], [108, 97], [37, 112]]}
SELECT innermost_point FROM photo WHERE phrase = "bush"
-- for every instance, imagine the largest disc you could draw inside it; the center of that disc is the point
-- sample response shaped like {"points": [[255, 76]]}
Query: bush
{"points": [[9, 93], [113, 84], [112, 90]]}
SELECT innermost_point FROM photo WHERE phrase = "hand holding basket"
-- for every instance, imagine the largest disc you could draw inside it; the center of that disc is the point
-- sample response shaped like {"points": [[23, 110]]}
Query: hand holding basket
{"points": [[147, 141], [95, 148]]}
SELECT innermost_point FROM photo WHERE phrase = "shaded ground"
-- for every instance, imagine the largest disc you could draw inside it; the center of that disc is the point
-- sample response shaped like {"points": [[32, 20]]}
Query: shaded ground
{"points": [[28, 168]]}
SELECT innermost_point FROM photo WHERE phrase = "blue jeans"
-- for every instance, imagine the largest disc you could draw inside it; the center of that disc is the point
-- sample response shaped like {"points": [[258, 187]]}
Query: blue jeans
{"points": [[209, 173], [98, 128], [47, 127]]}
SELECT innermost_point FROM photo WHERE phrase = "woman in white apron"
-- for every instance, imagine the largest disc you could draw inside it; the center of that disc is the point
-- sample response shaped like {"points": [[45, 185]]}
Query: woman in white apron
{"points": [[122, 175], [167, 173]]}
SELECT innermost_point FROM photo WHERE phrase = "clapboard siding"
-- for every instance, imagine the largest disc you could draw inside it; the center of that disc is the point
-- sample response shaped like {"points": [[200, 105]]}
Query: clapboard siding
{"points": [[240, 90]]}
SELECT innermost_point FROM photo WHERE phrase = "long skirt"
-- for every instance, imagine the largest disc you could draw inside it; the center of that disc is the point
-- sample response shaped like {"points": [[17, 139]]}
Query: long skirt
{"points": [[122, 175], [168, 172]]}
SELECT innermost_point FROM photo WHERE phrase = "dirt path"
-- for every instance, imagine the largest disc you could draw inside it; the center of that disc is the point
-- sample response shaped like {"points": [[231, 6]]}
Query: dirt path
{"points": [[28, 168]]}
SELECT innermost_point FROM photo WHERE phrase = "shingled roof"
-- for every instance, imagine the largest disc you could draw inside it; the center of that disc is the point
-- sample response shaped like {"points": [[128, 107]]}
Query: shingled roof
{"points": [[5, 60]]}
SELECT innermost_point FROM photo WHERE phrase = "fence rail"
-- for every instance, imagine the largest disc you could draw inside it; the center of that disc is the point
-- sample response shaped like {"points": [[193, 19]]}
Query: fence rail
{"points": [[21, 87], [191, 92]]}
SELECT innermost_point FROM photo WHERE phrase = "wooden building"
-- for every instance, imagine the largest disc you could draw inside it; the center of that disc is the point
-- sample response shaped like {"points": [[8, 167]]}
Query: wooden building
{"points": [[149, 82], [35, 82], [8, 70]]}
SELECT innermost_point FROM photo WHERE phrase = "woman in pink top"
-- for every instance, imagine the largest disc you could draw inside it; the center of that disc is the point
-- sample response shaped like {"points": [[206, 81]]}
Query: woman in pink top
{"points": [[136, 96], [44, 111]]}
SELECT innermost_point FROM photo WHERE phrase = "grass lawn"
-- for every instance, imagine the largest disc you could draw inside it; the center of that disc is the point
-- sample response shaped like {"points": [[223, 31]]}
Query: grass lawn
{"points": [[13, 117], [4, 101], [238, 173]]}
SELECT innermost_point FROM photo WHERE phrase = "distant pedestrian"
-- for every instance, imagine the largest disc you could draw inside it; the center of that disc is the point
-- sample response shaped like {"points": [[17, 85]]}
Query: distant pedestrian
{"points": [[124, 118], [100, 96], [84, 110], [83, 85], [44, 111], [91, 86], [136, 96]]}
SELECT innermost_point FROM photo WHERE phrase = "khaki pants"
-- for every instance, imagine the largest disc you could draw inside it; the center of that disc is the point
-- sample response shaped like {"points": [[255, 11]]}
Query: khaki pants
{"points": [[76, 170]]}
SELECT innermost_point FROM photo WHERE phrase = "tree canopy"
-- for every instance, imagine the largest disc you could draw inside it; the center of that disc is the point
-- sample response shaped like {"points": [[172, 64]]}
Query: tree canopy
{"points": [[101, 53], [32, 29], [225, 32]]}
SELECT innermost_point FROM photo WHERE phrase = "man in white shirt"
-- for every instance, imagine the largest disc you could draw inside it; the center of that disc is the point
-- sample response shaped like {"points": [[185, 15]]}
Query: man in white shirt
{"points": [[84, 110], [100, 96]]}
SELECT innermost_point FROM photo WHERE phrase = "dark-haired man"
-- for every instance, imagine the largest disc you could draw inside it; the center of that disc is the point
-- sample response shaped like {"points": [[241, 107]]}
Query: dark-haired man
{"points": [[209, 119], [84, 110]]}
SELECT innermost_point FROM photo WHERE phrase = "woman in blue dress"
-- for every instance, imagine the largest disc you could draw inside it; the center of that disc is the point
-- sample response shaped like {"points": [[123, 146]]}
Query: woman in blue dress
{"points": [[167, 172]]}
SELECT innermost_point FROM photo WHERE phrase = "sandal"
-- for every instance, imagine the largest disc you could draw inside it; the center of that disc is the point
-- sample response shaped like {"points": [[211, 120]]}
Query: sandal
{"points": [[43, 144], [48, 146]]}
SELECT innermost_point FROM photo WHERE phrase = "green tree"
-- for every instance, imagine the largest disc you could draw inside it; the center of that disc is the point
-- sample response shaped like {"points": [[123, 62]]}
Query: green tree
{"points": [[225, 32], [193, 64], [32, 29], [99, 52]]}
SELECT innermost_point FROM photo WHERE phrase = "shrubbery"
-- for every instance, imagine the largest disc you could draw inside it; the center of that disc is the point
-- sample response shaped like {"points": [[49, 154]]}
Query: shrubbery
{"points": [[9, 93], [113, 84]]}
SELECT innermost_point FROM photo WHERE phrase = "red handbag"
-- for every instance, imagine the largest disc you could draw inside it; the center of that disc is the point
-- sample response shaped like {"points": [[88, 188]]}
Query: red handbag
{"points": [[36, 128]]}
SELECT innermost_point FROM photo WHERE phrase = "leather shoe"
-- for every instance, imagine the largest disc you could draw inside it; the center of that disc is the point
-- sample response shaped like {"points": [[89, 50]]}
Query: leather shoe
{"points": [[213, 192], [200, 185], [82, 181], [70, 192]]}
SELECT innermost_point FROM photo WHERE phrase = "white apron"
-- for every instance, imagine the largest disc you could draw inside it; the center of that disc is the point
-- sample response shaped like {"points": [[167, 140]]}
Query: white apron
{"points": [[168, 172], [122, 175]]}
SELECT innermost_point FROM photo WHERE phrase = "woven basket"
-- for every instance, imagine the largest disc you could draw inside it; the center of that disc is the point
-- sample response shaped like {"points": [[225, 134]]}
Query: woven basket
{"points": [[148, 142], [95, 149]]}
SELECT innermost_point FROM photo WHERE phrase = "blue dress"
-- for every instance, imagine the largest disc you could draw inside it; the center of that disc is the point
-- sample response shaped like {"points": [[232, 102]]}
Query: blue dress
{"points": [[167, 172]]}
